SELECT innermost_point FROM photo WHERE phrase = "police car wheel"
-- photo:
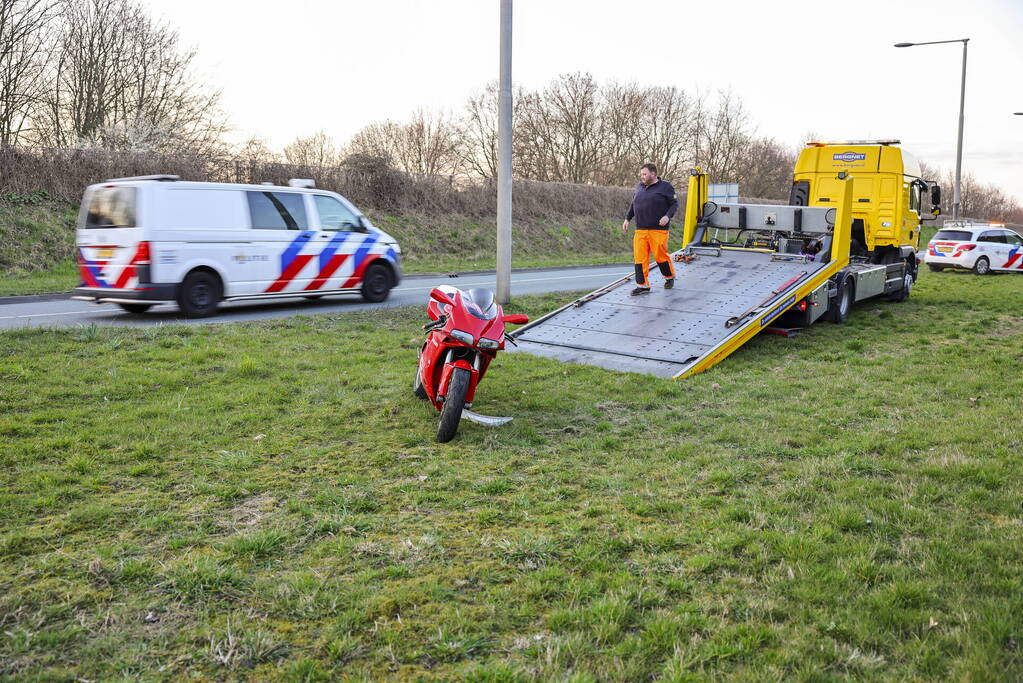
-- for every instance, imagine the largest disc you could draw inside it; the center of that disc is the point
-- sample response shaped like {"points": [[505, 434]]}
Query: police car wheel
{"points": [[199, 294], [376, 283], [137, 309], [935, 268], [982, 266]]}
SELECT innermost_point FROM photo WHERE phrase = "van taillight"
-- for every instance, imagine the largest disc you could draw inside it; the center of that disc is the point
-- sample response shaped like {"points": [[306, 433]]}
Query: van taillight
{"points": [[142, 257]]}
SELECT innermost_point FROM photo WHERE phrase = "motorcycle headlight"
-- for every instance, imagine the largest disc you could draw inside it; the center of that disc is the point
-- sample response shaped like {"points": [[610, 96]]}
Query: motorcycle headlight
{"points": [[463, 337], [488, 344]]}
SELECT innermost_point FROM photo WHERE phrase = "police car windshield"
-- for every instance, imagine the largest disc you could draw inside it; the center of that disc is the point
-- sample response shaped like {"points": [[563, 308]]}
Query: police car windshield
{"points": [[110, 207]]}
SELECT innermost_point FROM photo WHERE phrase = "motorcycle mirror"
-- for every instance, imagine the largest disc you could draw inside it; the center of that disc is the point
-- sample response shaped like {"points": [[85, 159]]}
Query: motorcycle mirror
{"points": [[517, 319], [438, 295]]}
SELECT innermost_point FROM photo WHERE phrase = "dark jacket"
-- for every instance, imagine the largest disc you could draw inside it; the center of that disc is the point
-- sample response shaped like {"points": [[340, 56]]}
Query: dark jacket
{"points": [[652, 203]]}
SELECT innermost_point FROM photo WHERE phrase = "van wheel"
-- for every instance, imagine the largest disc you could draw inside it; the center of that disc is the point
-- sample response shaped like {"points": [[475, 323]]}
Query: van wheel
{"points": [[137, 309], [376, 283], [982, 266], [841, 303], [199, 294]]}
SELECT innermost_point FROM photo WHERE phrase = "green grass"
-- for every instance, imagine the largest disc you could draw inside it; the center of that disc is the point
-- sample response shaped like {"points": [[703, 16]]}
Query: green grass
{"points": [[265, 501], [61, 278]]}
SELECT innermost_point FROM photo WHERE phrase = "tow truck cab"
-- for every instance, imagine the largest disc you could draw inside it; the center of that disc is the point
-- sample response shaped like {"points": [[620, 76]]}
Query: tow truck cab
{"points": [[888, 194]]}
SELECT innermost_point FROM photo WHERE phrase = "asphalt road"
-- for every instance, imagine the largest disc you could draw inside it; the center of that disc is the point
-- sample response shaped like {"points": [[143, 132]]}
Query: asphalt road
{"points": [[48, 311]]}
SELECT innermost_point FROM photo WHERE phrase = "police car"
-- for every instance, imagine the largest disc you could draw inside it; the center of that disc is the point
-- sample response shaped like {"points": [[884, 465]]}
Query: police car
{"points": [[983, 248], [151, 239]]}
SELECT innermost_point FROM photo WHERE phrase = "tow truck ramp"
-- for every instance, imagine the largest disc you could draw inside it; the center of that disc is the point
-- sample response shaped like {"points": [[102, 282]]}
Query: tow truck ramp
{"points": [[722, 297]]}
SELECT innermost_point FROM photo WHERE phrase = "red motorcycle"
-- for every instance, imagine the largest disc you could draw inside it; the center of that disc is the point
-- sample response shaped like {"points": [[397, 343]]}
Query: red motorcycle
{"points": [[466, 333]]}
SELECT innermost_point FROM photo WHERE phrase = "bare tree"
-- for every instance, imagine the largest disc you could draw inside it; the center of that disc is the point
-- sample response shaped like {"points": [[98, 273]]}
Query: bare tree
{"points": [[257, 148], [316, 150], [121, 81], [477, 133], [428, 144], [25, 27]]}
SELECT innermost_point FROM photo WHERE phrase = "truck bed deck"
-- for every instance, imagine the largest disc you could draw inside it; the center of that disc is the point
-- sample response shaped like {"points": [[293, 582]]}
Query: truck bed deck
{"points": [[671, 333]]}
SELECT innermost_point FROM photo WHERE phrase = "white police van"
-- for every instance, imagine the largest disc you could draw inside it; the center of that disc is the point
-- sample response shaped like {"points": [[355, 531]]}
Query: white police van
{"points": [[151, 239]]}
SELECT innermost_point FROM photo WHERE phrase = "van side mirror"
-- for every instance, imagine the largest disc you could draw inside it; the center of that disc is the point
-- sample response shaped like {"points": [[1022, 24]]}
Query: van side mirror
{"points": [[361, 224]]}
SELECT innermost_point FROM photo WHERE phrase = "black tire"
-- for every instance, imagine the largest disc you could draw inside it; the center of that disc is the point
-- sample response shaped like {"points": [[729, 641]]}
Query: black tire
{"points": [[982, 266], [454, 402], [376, 283], [935, 268], [200, 294], [840, 305], [418, 390], [903, 293], [137, 309]]}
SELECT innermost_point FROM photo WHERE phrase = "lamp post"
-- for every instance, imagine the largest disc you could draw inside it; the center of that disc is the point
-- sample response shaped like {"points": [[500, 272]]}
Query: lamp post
{"points": [[504, 158], [956, 198]]}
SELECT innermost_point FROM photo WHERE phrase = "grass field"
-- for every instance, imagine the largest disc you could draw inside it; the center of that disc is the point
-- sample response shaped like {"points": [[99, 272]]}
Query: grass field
{"points": [[261, 501]]}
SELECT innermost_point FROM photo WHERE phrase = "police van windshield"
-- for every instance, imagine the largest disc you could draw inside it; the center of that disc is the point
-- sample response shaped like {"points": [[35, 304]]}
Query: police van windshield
{"points": [[110, 207]]}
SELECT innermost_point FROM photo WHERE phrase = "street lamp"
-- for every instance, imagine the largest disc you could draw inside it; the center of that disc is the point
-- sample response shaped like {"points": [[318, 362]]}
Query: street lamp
{"points": [[962, 102]]}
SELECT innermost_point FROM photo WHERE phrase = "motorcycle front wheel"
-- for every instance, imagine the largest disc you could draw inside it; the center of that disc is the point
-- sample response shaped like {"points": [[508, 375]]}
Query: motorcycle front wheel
{"points": [[454, 402]]}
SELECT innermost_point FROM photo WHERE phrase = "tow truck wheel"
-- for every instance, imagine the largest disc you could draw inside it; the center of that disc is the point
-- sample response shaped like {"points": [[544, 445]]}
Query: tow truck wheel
{"points": [[841, 303], [982, 266], [935, 268], [137, 309], [903, 294]]}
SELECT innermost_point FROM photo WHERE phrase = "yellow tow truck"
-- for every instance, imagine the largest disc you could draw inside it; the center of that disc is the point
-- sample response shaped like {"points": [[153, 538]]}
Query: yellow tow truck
{"points": [[849, 232]]}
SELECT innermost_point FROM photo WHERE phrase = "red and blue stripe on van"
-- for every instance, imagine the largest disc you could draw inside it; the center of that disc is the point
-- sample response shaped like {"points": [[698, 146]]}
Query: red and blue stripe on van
{"points": [[329, 260], [92, 270]]}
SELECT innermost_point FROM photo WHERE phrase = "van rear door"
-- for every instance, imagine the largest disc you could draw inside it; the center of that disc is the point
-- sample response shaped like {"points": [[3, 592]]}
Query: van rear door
{"points": [[109, 239]]}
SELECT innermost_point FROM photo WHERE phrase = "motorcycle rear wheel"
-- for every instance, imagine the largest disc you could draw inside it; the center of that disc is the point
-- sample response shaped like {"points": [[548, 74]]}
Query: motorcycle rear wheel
{"points": [[454, 402]]}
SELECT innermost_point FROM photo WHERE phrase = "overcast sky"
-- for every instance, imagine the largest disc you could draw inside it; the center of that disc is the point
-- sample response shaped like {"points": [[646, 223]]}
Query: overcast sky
{"points": [[292, 68]]}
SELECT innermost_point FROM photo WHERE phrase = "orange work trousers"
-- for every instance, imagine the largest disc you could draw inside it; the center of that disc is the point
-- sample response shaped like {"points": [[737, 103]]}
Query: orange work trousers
{"points": [[647, 243]]}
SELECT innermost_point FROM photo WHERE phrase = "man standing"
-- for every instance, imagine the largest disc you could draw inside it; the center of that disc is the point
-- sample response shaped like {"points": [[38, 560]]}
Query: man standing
{"points": [[653, 206]]}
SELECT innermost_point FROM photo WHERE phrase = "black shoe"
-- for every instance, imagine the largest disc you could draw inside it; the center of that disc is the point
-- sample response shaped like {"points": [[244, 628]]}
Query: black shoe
{"points": [[639, 290], [669, 283]]}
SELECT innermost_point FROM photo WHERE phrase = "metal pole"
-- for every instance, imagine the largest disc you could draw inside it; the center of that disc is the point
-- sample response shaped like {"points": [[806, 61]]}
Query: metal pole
{"points": [[957, 197], [504, 159]]}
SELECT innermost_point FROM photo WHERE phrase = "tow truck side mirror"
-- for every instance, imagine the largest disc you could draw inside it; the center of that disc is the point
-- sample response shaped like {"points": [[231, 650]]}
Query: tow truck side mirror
{"points": [[935, 199]]}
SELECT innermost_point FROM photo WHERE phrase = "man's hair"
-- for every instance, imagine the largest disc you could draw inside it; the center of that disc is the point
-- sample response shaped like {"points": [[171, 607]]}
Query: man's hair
{"points": [[650, 167]]}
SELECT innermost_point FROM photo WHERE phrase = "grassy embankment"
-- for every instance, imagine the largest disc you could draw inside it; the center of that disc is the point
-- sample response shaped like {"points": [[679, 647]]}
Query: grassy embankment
{"points": [[261, 501], [37, 243]]}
